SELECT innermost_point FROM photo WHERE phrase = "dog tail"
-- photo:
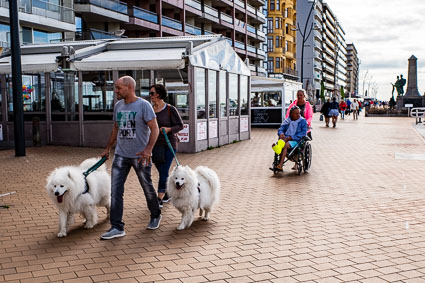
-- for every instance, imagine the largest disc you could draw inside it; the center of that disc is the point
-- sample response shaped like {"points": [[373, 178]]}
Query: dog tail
{"points": [[212, 178], [86, 164]]}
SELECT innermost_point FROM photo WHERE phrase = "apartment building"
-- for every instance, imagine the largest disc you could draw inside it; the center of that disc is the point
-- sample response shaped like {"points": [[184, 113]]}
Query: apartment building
{"points": [[281, 39], [324, 59], [41, 21], [353, 64], [239, 21]]}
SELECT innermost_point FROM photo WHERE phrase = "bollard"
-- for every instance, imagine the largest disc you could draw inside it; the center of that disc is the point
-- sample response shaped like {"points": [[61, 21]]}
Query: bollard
{"points": [[36, 131]]}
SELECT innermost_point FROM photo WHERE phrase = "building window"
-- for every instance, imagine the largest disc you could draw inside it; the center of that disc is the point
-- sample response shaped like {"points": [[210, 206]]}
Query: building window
{"points": [[276, 22], [286, 12], [270, 43], [270, 65], [271, 5], [233, 95], [200, 92], [287, 46], [26, 35], [287, 28], [270, 25], [277, 63], [278, 5], [277, 42]]}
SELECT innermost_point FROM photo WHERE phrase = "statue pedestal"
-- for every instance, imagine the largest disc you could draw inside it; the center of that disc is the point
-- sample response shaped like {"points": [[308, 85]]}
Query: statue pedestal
{"points": [[417, 101]]}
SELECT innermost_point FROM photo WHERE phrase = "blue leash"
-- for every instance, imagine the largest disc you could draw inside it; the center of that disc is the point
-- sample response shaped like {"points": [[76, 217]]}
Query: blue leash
{"points": [[170, 147]]}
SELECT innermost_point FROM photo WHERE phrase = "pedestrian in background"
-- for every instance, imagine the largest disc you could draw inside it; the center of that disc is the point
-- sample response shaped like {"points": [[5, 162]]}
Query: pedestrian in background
{"points": [[135, 132], [348, 107], [168, 119], [342, 108], [325, 111], [334, 112], [354, 109]]}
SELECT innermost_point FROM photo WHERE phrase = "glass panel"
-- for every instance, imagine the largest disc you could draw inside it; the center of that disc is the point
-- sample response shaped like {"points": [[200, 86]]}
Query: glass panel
{"points": [[212, 93], [64, 103], [200, 93], [26, 35], [98, 95], [4, 35], [233, 95], [272, 99], [46, 37], [223, 91], [244, 95]]}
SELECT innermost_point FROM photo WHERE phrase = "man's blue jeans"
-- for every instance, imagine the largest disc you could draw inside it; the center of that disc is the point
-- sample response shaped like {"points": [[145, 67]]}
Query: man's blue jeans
{"points": [[120, 168], [164, 170]]}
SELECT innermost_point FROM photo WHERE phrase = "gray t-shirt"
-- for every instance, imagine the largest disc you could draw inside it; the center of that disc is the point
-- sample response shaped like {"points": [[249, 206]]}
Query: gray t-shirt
{"points": [[133, 131]]}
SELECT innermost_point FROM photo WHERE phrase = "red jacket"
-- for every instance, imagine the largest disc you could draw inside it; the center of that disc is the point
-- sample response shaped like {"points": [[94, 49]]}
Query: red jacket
{"points": [[343, 106]]}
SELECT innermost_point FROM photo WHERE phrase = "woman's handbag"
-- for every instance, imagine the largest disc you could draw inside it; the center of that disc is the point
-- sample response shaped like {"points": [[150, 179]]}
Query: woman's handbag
{"points": [[321, 117], [158, 154]]}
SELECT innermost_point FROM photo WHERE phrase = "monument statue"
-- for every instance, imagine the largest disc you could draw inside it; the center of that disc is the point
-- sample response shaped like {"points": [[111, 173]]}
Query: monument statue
{"points": [[399, 85]]}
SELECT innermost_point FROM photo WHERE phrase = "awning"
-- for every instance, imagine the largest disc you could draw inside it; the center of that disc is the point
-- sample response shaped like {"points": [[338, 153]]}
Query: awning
{"points": [[136, 59], [32, 63]]}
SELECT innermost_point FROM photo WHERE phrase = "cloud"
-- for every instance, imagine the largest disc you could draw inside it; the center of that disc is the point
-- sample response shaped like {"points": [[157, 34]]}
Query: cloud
{"points": [[385, 33]]}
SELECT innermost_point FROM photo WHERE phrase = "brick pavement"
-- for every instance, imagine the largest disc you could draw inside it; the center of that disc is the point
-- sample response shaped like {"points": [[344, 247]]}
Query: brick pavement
{"points": [[356, 216]]}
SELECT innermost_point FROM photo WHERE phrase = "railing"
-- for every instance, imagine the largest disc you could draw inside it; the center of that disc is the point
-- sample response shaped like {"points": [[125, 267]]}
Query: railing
{"points": [[239, 45], [145, 15], [210, 11], [95, 34], [260, 15], [251, 48], [260, 33], [226, 18], [171, 23], [193, 3], [207, 32], [290, 71], [250, 28], [250, 9], [193, 30], [44, 9], [239, 3], [261, 52], [112, 5]]}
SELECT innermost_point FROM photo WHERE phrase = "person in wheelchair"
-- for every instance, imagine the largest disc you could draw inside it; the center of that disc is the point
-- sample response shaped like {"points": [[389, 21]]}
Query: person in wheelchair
{"points": [[292, 130]]}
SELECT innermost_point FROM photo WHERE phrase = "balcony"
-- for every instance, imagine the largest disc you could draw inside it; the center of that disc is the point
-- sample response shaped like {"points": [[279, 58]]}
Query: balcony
{"points": [[239, 3], [239, 45], [44, 9], [251, 29], [95, 34], [290, 71], [226, 18], [115, 6], [211, 11], [194, 4], [251, 49], [261, 52], [251, 9], [102, 10], [145, 15], [193, 30], [171, 23], [240, 25]]}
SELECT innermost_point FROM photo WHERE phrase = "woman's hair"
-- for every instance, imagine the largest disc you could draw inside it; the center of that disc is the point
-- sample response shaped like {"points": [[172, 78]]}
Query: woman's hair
{"points": [[334, 98], [160, 89], [303, 91]]}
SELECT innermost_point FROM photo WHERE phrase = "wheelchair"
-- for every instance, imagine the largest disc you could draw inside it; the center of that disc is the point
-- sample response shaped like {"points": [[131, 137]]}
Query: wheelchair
{"points": [[301, 154]]}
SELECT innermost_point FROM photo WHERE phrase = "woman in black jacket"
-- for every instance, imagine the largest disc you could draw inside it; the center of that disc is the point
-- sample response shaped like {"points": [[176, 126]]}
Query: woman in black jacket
{"points": [[325, 111]]}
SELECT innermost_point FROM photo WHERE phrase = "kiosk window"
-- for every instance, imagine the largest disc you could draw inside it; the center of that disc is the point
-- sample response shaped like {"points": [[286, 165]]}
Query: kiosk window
{"points": [[233, 95], [200, 93], [212, 94], [244, 95], [223, 94]]}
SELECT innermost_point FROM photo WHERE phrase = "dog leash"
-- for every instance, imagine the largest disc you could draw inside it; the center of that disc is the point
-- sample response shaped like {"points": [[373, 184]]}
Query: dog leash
{"points": [[91, 170], [169, 145]]}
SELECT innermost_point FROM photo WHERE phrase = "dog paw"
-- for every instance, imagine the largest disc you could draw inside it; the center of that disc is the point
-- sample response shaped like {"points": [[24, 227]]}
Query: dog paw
{"points": [[61, 234], [180, 227], [88, 225], [205, 218]]}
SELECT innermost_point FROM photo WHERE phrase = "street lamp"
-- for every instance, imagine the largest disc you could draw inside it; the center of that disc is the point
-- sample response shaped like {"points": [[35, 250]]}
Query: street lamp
{"points": [[305, 37]]}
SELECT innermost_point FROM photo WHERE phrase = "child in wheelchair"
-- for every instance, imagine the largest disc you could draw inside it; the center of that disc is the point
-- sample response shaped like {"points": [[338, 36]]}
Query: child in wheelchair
{"points": [[292, 130]]}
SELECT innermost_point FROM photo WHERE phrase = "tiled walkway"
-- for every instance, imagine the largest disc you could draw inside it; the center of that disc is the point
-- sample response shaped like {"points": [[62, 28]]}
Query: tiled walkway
{"points": [[358, 215]]}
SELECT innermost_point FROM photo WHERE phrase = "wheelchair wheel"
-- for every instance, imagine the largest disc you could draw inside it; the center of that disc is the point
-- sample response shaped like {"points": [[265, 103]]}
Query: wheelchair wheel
{"points": [[308, 154]]}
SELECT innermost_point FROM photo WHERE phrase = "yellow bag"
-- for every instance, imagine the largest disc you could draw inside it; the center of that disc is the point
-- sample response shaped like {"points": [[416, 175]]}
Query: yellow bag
{"points": [[278, 147]]}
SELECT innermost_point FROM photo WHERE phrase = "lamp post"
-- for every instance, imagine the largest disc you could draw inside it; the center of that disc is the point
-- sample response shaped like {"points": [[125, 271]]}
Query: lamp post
{"points": [[305, 37]]}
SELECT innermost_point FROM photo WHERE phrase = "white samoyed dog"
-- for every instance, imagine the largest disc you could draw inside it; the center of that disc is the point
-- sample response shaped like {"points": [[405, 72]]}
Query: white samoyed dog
{"points": [[66, 186], [192, 189]]}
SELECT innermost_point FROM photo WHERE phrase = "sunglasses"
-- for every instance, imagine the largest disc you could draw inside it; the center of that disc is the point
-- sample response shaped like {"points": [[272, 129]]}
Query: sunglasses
{"points": [[151, 93]]}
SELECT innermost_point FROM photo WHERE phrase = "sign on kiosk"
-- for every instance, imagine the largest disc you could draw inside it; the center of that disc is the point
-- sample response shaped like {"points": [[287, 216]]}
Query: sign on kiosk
{"points": [[184, 134]]}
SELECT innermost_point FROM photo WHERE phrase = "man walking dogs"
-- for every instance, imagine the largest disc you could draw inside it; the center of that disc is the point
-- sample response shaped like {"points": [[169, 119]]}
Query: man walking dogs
{"points": [[135, 132]]}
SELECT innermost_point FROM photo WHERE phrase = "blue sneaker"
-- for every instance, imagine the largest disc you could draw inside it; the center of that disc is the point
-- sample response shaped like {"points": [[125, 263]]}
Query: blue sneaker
{"points": [[112, 233], [154, 223]]}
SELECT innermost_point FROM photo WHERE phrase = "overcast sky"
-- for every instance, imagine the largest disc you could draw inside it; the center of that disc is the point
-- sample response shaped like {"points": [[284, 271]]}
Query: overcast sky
{"points": [[386, 33]]}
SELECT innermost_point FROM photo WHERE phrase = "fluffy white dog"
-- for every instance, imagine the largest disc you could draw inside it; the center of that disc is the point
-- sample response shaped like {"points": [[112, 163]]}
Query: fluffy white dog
{"points": [[192, 189], [66, 187]]}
